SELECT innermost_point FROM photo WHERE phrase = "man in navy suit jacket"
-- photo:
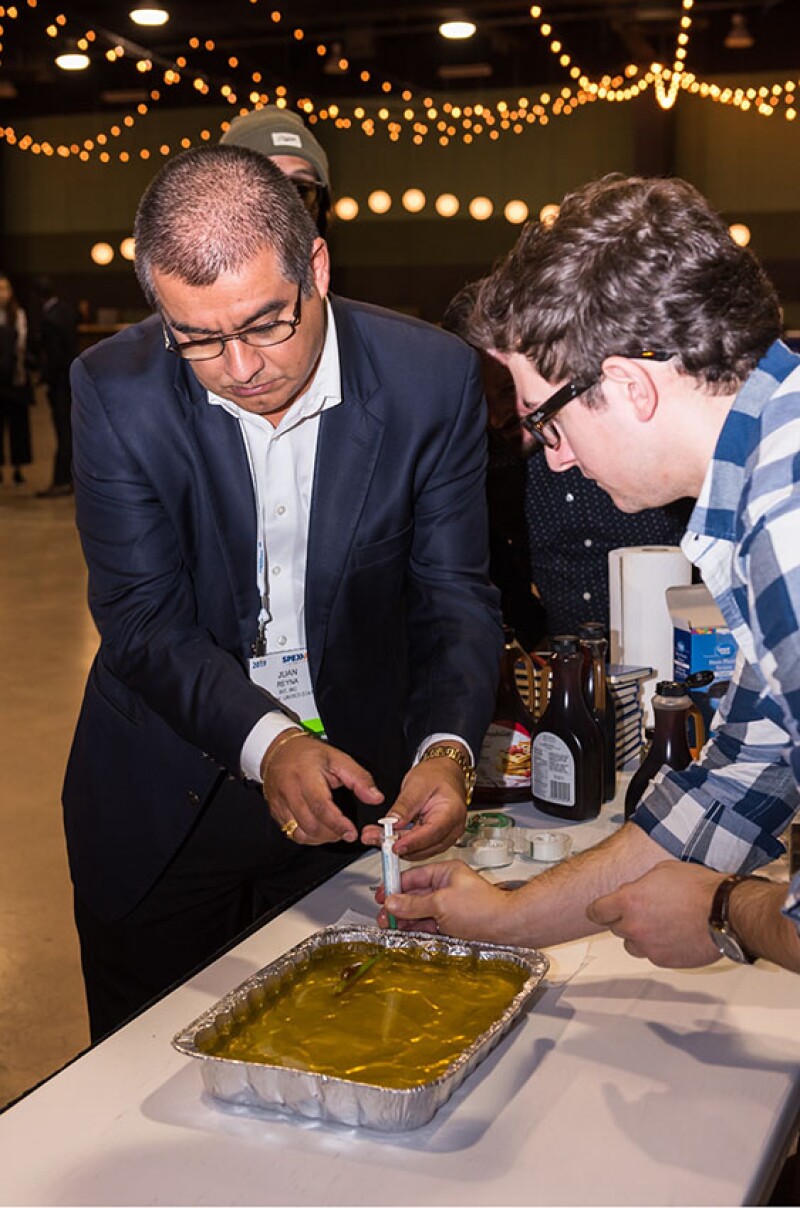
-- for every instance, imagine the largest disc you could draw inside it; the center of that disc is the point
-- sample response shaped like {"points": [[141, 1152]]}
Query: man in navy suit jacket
{"points": [[257, 461]]}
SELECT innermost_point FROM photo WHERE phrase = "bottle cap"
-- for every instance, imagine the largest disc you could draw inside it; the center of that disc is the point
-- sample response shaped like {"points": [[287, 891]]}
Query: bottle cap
{"points": [[699, 679], [670, 688], [566, 643]]}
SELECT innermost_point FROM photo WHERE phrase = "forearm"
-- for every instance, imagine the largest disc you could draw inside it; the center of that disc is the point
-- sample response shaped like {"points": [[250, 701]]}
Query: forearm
{"points": [[755, 915], [551, 908]]}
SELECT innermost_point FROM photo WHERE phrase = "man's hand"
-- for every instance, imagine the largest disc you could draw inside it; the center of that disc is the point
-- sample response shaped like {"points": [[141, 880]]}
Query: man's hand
{"points": [[299, 775], [664, 915], [433, 796], [450, 898]]}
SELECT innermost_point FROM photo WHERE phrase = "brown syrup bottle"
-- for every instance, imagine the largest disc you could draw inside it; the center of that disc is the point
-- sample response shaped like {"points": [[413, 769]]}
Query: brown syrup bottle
{"points": [[670, 746], [503, 773], [600, 700], [566, 750]]}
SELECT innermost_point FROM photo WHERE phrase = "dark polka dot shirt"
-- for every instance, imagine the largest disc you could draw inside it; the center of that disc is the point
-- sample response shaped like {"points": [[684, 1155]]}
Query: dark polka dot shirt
{"points": [[572, 524]]}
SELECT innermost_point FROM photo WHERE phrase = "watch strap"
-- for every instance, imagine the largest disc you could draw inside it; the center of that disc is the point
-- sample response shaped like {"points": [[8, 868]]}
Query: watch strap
{"points": [[719, 920], [448, 751]]}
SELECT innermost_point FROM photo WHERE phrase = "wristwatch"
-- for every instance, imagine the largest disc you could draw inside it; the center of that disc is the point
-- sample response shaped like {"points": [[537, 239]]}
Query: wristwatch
{"points": [[719, 928], [460, 757]]}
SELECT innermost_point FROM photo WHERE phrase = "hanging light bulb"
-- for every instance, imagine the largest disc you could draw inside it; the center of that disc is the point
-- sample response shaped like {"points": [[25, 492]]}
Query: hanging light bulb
{"points": [[481, 208], [102, 253], [516, 212], [144, 15], [379, 201], [346, 208], [447, 205], [414, 200]]}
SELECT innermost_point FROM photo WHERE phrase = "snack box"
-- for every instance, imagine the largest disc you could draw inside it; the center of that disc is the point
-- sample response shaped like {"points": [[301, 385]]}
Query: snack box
{"points": [[702, 640]]}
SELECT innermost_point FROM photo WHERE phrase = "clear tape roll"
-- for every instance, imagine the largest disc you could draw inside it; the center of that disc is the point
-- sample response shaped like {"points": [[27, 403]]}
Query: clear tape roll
{"points": [[545, 846]]}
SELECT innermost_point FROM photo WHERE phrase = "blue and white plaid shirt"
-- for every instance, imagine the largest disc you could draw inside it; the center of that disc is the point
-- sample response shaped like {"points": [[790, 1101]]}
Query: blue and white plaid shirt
{"points": [[727, 809]]}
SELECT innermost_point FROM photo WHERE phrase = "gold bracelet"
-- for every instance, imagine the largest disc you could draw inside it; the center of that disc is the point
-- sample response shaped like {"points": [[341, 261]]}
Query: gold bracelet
{"points": [[277, 743]]}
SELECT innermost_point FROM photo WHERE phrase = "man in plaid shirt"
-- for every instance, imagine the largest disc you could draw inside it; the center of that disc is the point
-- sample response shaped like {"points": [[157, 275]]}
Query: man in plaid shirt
{"points": [[644, 345]]}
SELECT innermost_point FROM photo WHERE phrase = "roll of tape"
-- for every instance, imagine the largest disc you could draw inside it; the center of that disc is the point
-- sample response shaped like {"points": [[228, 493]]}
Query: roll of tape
{"points": [[476, 822], [491, 853], [550, 846]]}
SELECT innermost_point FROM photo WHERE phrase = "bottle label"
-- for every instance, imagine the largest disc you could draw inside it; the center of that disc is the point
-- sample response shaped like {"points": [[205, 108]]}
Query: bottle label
{"points": [[505, 759], [553, 777]]}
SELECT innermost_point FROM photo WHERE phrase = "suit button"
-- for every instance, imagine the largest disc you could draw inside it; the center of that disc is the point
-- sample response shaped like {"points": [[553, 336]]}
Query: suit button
{"points": [[192, 797]]}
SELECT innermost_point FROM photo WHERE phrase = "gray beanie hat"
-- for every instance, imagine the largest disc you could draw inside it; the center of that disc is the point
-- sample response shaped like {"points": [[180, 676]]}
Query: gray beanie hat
{"points": [[274, 131]]}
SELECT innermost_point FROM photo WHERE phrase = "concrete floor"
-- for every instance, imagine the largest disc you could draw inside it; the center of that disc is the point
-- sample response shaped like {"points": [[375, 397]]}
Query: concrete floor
{"points": [[47, 640]]}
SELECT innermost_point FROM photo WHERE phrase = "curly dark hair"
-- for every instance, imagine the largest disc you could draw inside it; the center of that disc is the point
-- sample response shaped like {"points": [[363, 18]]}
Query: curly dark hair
{"points": [[630, 264]]}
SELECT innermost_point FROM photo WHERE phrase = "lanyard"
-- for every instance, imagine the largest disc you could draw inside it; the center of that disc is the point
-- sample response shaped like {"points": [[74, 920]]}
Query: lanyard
{"points": [[259, 646]]}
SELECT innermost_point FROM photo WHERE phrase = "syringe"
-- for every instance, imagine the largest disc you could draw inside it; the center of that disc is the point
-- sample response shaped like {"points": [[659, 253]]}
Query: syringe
{"points": [[390, 862]]}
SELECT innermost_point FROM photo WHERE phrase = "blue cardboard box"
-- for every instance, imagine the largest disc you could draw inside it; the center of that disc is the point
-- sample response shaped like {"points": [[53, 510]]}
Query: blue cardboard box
{"points": [[702, 640]]}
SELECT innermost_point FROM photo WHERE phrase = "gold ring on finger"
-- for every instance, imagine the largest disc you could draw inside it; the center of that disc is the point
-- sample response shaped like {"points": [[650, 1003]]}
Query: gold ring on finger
{"points": [[290, 827]]}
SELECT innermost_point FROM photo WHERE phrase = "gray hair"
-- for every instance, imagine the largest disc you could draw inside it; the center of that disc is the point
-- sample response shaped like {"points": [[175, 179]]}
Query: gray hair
{"points": [[211, 210]]}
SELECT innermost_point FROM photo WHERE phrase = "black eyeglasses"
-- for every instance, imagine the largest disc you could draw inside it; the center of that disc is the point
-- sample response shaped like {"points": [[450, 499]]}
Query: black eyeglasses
{"points": [[265, 335], [540, 423]]}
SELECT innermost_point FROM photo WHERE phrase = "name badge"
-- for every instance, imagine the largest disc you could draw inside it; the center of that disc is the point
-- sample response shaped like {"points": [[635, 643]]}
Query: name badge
{"points": [[286, 675]]}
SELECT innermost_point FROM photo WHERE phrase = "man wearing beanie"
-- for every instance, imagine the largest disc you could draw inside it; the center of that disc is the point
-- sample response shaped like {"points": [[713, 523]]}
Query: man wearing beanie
{"points": [[285, 138]]}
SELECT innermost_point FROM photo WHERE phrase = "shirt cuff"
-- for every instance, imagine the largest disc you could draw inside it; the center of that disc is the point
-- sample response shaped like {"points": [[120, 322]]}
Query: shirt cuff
{"points": [[435, 738], [262, 735]]}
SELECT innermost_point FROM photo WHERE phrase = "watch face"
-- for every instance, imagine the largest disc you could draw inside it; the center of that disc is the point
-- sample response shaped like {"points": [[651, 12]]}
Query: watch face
{"points": [[728, 945]]}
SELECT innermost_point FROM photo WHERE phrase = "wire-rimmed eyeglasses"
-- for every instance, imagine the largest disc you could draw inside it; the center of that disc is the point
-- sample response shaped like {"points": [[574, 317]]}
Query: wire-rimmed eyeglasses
{"points": [[540, 423], [263, 335]]}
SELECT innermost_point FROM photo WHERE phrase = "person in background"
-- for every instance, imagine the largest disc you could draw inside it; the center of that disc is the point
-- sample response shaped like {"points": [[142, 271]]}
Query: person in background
{"points": [[509, 560], [15, 389], [58, 347], [284, 138], [281, 502], [658, 394], [556, 529]]}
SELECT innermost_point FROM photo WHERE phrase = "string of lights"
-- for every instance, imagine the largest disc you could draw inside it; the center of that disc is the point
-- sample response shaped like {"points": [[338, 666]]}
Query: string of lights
{"points": [[401, 113]]}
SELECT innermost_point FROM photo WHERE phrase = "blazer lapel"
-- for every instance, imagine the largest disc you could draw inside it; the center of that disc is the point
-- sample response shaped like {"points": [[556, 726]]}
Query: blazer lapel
{"points": [[350, 439], [230, 490]]}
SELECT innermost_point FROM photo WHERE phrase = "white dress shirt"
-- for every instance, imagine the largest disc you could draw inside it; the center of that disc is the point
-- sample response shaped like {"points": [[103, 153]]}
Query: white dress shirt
{"points": [[282, 460]]}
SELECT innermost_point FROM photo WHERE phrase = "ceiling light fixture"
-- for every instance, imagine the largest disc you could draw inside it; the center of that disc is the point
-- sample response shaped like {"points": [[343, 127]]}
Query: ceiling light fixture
{"points": [[149, 16], [456, 30], [72, 60], [738, 36]]}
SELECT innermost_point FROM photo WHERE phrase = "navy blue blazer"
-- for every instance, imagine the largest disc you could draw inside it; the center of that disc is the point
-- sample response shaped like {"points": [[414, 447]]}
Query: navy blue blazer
{"points": [[402, 623]]}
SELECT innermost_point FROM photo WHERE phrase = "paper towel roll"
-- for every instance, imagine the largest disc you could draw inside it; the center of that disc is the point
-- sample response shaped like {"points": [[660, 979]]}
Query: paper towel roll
{"points": [[639, 621]]}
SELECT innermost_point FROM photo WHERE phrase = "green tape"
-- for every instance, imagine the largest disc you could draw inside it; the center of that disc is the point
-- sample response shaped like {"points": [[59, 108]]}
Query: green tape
{"points": [[476, 821]]}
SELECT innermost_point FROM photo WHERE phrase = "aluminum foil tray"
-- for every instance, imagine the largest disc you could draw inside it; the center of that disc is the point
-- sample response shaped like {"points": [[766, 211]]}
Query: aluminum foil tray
{"points": [[320, 1096]]}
